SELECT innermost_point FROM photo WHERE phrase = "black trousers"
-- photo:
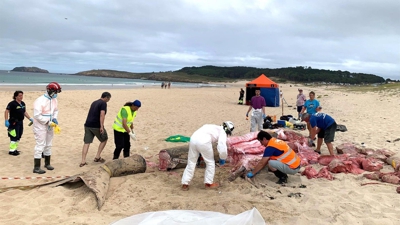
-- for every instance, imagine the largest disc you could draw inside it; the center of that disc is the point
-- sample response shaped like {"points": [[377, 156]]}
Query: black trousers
{"points": [[122, 141], [19, 130]]}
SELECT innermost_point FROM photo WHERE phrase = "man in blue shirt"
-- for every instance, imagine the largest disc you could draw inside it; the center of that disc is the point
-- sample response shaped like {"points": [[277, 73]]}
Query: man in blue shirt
{"points": [[323, 125]]}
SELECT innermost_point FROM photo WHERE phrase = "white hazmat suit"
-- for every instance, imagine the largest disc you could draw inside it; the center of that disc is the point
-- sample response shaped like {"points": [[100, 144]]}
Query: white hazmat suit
{"points": [[256, 120], [201, 143], [45, 109]]}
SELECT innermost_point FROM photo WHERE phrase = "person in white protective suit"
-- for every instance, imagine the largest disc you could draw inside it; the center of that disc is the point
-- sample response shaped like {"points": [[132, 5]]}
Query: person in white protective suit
{"points": [[201, 143], [45, 112]]}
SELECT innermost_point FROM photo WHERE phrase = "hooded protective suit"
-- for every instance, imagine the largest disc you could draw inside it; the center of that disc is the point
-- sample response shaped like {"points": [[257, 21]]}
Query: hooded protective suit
{"points": [[45, 109], [201, 143]]}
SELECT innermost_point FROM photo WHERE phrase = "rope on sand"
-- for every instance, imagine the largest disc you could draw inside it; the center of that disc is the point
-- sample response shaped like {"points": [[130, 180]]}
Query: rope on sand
{"points": [[32, 178]]}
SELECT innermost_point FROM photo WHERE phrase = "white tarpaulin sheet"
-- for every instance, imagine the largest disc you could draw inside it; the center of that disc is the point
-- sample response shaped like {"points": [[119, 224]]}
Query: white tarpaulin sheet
{"points": [[193, 217]]}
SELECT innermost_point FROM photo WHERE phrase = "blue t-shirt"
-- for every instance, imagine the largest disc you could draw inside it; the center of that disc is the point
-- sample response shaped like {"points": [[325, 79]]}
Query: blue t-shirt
{"points": [[321, 120], [311, 106], [271, 151]]}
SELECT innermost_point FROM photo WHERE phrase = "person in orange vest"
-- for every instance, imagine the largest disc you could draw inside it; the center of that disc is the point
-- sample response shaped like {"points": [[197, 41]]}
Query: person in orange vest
{"points": [[281, 159]]}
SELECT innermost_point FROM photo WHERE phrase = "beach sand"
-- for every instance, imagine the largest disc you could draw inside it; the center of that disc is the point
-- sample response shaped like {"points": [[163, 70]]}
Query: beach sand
{"points": [[370, 118]]}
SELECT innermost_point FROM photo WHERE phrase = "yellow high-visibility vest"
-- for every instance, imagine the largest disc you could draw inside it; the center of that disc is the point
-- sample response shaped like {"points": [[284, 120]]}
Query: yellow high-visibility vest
{"points": [[118, 120]]}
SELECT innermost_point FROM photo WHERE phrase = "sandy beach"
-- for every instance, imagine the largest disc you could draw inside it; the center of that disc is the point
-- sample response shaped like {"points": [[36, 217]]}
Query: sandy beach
{"points": [[370, 118]]}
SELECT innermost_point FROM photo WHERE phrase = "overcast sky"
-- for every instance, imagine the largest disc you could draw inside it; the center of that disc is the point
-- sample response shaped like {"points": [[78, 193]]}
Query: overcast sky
{"points": [[67, 36]]}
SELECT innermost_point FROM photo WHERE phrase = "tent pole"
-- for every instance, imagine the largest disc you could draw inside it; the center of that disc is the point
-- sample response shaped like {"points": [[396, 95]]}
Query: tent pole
{"points": [[282, 105]]}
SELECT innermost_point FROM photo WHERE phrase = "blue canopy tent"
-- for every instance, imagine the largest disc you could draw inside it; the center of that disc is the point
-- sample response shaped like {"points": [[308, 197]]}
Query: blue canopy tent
{"points": [[269, 90]]}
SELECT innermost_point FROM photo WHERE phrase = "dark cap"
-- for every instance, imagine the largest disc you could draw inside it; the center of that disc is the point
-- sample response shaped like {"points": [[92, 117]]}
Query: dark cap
{"points": [[137, 103]]}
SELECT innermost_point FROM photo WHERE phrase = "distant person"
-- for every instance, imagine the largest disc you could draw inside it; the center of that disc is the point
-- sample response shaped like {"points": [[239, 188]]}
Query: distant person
{"points": [[201, 143], [165, 85], [257, 105], [324, 126], [94, 126], [241, 96], [123, 128], [45, 114], [279, 157], [311, 106], [301, 98], [169, 85], [14, 121], [162, 85]]}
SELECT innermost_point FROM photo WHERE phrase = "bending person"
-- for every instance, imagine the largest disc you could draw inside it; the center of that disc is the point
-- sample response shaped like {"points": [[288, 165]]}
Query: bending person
{"points": [[323, 126], [201, 143], [123, 125]]}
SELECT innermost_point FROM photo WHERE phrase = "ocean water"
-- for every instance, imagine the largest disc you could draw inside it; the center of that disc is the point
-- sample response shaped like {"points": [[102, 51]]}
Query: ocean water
{"points": [[11, 78]]}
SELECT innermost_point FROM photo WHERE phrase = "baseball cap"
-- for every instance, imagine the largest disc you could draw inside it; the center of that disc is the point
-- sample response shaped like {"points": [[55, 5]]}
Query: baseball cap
{"points": [[137, 103]]}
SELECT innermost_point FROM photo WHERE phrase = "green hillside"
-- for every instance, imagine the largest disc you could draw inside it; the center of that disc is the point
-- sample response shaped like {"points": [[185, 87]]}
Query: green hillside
{"points": [[229, 74]]}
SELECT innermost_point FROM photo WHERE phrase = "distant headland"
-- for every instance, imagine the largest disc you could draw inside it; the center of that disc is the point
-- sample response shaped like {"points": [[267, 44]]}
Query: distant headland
{"points": [[206, 74], [29, 69]]}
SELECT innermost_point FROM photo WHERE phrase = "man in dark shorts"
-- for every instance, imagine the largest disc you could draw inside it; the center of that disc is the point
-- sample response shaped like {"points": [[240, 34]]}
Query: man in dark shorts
{"points": [[94, 126], [14, 117], [301, 98], [323, 125]]}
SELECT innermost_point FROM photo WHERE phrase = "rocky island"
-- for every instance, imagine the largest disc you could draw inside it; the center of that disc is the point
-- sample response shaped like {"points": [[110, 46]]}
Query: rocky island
{"points": [[29, 69]]}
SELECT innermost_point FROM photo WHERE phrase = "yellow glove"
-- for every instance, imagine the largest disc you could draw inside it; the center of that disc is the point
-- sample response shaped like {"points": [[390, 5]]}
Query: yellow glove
{"points": [[57, 129]]}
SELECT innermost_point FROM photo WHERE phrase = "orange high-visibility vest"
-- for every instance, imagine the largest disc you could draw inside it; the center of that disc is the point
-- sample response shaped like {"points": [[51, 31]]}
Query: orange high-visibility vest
{"points": [[289, 157]]}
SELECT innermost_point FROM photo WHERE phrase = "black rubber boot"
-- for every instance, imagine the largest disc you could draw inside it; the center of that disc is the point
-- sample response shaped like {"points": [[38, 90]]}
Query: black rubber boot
{"points": [[36, 168], [47, 163], [282, 177]]}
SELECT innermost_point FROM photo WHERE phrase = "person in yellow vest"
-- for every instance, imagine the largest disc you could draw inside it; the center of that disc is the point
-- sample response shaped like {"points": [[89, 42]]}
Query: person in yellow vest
{"points": [[281, 159], [123, 128]]}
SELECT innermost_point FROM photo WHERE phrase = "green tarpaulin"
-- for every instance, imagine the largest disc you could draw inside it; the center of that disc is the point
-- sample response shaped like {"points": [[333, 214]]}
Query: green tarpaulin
{"points": [[178, 138]]}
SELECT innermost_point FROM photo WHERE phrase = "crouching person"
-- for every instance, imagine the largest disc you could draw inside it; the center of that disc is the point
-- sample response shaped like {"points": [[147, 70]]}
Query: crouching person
{"points": [[281, 159]]}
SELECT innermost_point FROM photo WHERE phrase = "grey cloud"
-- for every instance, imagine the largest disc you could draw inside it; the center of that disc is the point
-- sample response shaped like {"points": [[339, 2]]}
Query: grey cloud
{"points": [[146, 36]]}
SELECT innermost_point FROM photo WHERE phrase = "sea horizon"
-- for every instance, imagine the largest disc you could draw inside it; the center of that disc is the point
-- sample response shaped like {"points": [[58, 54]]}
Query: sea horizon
{"points": [[73, 81]]}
